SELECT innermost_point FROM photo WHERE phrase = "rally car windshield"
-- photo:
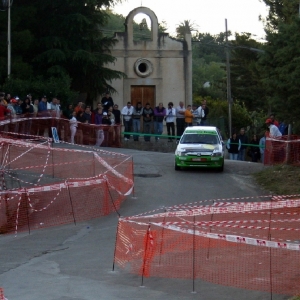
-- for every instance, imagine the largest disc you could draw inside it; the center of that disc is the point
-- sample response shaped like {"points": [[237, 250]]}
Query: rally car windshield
{"points": [[195, 138]]}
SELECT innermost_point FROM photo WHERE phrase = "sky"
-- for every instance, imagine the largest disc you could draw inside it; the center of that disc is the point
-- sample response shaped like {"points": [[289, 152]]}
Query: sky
{"points": [[208, 15]]}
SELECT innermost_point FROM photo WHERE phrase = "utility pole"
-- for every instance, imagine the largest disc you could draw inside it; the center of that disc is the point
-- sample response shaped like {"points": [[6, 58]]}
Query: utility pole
{"points": [[229, 98], [8, 40]]}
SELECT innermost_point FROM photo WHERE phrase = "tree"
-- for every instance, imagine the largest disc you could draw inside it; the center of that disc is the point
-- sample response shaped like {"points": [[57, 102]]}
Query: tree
{"points": [[64, 40], [211, 72], [185, 27], [163, 26], [208, 65], [246, 84], [280, 11], [280, 64]]}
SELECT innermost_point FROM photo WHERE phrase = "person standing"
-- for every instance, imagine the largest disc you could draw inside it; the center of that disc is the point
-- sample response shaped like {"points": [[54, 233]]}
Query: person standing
{"points": [[35, 107], [42, 108], [159, 114], [73, 126], [2, 99], [3, 110], [12, 126], [201, 113], [111, 116], [136, 120], [107, 101], [99, 130], [147, 118], [254, 149], [244, 141], [180, 123], [170, 118], [18, 107], [105, 119], [88, 114], [7, 99], [55, 113], [274, 121], [117, 128], [79, 107], [55, 108], [94, 112], [44, 124], [68, 111], [98, 116], [233, 146], [127, 112], [274, 131], [278, 155], [206, 112], [27, 110], [262, 146], [188, 116], [196, 117], [117, 114]]}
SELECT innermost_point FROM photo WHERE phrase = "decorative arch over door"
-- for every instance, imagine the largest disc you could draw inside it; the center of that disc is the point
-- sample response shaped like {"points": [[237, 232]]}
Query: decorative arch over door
{"points": [[150, 14]]}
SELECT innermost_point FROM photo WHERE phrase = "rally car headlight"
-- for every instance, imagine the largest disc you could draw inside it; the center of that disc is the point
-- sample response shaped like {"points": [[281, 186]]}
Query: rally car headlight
{"points": [[217, 154], [180, 152]]}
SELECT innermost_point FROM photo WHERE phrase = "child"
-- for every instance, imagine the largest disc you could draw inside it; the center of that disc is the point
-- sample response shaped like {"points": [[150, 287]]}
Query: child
{"points": [[73, 126]]}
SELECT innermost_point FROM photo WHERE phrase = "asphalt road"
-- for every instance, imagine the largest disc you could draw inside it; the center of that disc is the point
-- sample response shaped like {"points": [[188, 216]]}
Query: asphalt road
{"points": [[75, 262]]}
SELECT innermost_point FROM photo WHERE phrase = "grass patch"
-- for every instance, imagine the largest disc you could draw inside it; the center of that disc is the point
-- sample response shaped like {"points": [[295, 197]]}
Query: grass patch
{"points": [[280, 180]]}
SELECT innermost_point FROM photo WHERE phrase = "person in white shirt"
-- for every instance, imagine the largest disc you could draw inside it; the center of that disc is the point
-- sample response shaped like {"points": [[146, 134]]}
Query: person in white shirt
{"points": [[201, 114], [195, 113], [55, 107], [170, 119], [278, 149], [180, 122], [127, 112], [73, 126], [274, 131]]}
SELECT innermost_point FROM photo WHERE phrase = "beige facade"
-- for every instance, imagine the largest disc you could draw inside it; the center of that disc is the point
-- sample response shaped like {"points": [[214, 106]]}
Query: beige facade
{"points": [[158, 70]]}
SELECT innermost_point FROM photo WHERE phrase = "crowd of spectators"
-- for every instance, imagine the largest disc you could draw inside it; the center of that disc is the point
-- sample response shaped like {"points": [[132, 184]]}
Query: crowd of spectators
{"points": [[107, 114], [72, 122], [237, 144], [135, 119], [153, 119]]}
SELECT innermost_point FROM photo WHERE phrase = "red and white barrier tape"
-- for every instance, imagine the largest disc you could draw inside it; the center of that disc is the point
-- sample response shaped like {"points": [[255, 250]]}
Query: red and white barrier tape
{"points": [[192, 205], [47, 139], [228, 225], [236, 239], [235, 207], [54, 164], [114, 171], [225, 237]]}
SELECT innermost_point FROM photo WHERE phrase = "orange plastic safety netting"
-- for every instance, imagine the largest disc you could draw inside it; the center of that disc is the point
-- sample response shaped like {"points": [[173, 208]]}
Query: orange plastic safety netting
{"points": [[283, 150], [250, 245], [42, 186]]}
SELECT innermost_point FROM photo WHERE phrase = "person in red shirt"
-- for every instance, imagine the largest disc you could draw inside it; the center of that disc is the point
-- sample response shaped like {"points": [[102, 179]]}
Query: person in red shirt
{"points": [[3, 110]]}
